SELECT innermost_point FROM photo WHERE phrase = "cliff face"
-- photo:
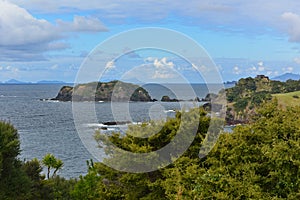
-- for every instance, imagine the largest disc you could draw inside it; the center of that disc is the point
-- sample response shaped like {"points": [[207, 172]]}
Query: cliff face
{"points": [[98, 91], [65, 94]]}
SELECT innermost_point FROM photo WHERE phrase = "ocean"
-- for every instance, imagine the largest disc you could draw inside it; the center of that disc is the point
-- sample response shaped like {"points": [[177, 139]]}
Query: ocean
{"points": [[48, 126]]}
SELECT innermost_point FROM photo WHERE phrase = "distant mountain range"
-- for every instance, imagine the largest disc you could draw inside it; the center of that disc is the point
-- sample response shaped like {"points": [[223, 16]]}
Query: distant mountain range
{"points": [[286, 76], [14, 81]]}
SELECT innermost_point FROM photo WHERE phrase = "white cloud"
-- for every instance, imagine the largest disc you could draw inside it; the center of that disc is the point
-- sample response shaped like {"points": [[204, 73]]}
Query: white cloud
{"points": [[293, 21], [260, 63], [203, 69], [110, 65], [243, 14], [236, 70], [149, 59], [18, 27], [297, 60], [163, 75], [162, 68], [9, 68], [82, 24], [163, 63], [26, 37], [261, 68], [253, 68], [287, 69], [276, 73], [53, 67], [269, 73]]}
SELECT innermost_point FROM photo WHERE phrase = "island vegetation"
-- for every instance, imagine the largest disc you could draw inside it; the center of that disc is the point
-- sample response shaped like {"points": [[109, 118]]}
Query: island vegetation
{"points": [[103, 91]]}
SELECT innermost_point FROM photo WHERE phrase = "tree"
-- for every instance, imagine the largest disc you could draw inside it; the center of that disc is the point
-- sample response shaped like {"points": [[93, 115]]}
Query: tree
{"points": [[57, 166], [51, 162], [9, 148], [14, 183]]}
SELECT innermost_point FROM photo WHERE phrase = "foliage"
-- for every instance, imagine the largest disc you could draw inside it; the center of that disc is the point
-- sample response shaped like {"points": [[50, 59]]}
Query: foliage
{"points": [[257, 161], [23, 180], [50, 161], [113, 184], [13, 180], [105, 91]]}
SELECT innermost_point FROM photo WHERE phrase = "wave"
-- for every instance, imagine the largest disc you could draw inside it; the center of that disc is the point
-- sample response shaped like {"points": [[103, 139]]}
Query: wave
{"points": [[168, 111], [49, 100], [4, 96], [111, 126]]}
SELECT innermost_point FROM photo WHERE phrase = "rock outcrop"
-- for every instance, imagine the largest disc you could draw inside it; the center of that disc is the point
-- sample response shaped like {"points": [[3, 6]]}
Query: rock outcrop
{"points": [[65, 94], [168, 99], [100, 91]]}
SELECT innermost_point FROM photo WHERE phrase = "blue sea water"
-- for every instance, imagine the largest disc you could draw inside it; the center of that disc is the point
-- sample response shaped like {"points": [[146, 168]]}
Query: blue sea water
{"points": [[48, 126]]}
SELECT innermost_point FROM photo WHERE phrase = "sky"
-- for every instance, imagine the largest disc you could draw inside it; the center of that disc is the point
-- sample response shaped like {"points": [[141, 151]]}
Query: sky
{"points": [[49, 40]]}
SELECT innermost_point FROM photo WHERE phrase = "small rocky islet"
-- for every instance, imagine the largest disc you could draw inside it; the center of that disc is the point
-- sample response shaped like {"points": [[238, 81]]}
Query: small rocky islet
{"points": [[103, 91], [108, 91]]}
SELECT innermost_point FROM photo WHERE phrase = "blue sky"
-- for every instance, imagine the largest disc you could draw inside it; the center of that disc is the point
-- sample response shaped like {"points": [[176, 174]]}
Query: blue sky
{"points": [[48, 40]]}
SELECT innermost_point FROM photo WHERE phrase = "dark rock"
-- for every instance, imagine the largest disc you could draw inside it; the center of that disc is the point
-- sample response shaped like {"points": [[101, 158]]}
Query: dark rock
{"points": [[208, 106], [197, 99], [112, 123], [209, 97], [65, 94], [168, 99]]}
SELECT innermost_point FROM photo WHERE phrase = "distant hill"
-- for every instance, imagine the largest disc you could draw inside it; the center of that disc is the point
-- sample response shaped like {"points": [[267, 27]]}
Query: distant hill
{"points": [[50, 82], [14, 81], [286, 76]]}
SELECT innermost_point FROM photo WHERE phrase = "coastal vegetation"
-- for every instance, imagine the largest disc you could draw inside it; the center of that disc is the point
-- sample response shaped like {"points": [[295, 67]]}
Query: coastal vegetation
{"points": [[259, 160]]}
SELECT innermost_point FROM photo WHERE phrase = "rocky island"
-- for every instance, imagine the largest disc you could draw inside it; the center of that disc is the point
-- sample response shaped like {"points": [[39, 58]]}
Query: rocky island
{"points": [[103, 91]]}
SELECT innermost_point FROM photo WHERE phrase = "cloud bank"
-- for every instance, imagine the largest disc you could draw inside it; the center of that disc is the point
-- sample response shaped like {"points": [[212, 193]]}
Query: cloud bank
{"points": [[24, 37]]}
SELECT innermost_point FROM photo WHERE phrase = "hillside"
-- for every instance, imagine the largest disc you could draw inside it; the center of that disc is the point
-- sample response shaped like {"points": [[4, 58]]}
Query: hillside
{"points": [[249, 93], [288, 99], [103, 91]]}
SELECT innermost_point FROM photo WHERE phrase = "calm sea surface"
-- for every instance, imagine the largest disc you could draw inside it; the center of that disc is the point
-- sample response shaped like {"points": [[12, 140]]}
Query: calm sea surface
{"points": [[48, 126]]}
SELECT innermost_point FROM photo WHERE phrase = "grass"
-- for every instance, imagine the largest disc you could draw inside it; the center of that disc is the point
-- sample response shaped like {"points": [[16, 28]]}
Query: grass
{"points": [[288, 99]]}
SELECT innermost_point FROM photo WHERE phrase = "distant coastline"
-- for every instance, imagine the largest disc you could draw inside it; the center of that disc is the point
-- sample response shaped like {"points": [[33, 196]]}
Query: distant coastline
{"points": [[17, 82]]}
